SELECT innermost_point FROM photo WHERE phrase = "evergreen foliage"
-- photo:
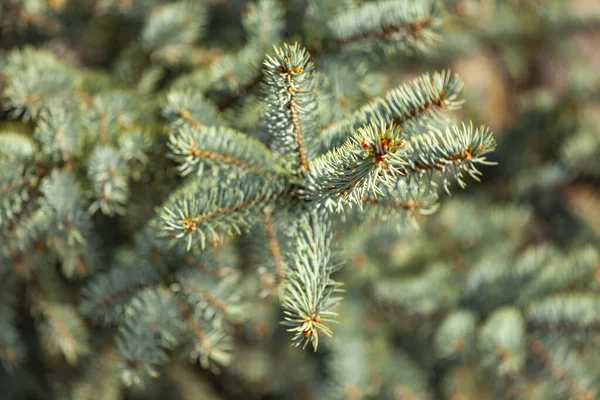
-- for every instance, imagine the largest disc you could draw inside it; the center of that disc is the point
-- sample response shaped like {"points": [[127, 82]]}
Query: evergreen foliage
{"points": [[188, 189]]}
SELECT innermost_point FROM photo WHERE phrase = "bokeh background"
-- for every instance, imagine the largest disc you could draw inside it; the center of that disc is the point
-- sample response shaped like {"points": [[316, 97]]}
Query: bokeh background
{"points": [[494, 296]]}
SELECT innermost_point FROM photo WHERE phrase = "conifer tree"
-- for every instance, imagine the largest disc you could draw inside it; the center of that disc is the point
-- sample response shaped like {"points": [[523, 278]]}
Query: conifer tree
{"points": [[86, 149], [214, 181]]}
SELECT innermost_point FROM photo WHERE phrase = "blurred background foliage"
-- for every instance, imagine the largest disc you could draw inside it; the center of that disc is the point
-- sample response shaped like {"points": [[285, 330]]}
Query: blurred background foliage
{"points": [[494, 296]]}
